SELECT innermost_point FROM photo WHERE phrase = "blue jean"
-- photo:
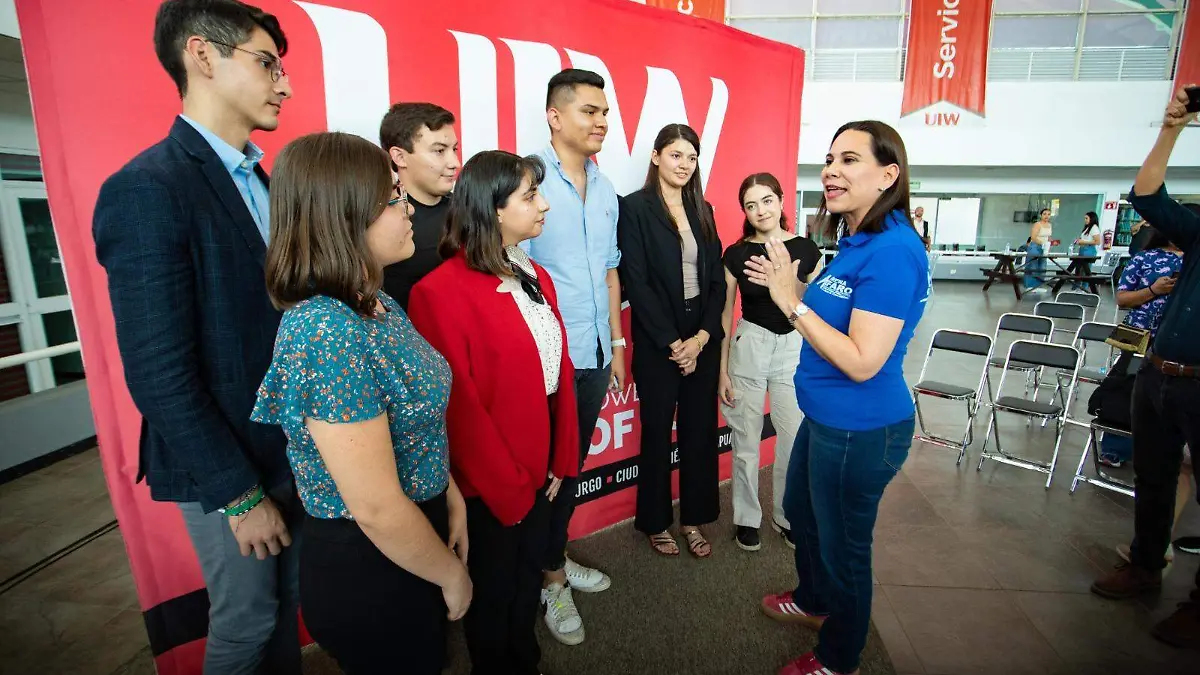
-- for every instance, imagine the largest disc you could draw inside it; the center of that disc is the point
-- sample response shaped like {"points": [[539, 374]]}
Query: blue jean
{"points": [[591, 388], [1034, 269], [834, 483], [1116, 447]]}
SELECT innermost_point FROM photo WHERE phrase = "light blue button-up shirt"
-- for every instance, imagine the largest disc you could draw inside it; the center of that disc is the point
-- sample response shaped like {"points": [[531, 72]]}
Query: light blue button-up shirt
{"points": [[240, 166], [578, 246]]}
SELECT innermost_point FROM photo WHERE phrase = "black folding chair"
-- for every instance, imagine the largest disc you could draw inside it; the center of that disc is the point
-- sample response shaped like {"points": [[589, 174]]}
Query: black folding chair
{"points": [[959, 342], [1088, 334], [1096, 431], [1036, 355], [1060, 311], [1089, 301], [1021, 324], [1091, 333]]}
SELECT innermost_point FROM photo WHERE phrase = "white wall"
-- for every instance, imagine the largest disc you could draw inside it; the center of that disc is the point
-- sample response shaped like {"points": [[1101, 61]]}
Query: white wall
{"points": [[8, 19], [1028, 124]]}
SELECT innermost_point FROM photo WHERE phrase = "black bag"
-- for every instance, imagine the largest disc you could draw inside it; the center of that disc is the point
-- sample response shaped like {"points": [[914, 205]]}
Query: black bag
{"points": [[1113, 399]]}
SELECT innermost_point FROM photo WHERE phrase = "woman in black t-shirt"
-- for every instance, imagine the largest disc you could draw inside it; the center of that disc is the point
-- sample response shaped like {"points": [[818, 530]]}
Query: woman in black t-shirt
{"points": [[761, 356]]}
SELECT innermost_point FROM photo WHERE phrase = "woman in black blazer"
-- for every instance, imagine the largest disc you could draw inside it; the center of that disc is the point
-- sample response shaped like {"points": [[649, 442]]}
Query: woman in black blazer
{"points": [[671, 271]]}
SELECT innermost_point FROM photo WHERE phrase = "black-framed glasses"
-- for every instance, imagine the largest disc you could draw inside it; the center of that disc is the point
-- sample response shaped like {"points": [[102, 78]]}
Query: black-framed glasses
{"points": [[270, 62], [401, 196]]}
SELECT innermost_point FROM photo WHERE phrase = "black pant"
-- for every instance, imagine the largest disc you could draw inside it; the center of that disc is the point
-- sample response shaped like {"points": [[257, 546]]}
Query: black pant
{"points": [[1166, 414], [663, 390], [368, 613], [591, 386], [506, 569]]}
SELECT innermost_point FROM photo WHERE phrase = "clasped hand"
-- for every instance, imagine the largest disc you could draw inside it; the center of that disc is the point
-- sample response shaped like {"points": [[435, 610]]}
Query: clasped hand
{"points": [[684, 353]]}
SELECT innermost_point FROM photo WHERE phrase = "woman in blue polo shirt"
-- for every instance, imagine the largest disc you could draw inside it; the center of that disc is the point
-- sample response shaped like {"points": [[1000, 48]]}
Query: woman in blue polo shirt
{"points": [[856, 319]]}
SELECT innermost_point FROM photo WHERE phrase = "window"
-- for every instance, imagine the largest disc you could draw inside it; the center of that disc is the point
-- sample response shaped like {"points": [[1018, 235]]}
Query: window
{"points": [[1034, 32], [858, 33], [859, 7], [796, 32], [1022, 6], [770, 7], [1129, 30], [1127, 5]]}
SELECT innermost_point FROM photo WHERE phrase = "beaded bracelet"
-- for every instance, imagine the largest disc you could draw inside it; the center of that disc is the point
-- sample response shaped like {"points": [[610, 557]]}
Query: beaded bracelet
{"points": [[247, 503]]}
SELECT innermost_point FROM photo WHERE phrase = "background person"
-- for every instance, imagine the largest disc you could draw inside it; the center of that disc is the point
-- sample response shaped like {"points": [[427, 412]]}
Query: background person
{"points": [[857, 319], [181, 231], [512, 420], [1038, 246], [1166, 395], [922, 226], [420, 140], [1090, 237], [671, 269], [362, 399], [1144, 290], [760, 357]]}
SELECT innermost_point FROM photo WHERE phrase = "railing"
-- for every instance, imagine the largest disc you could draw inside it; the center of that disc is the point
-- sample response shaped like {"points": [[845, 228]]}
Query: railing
{"points": [[37, 355], [1004, 65]]}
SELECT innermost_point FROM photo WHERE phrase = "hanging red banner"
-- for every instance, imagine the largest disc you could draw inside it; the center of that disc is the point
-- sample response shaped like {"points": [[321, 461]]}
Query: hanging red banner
{"points": [[947, 59], [705, 9], [1187, 65]]}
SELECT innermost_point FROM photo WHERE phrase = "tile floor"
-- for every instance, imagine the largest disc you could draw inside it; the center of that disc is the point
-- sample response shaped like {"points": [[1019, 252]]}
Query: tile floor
{"points": [[979, 571]]}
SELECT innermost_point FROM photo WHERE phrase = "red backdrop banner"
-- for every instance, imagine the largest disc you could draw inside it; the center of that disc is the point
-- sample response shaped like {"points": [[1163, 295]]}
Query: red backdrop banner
{"points": [[705, 9], [348, 61], [947, 54], [1187, 67]]}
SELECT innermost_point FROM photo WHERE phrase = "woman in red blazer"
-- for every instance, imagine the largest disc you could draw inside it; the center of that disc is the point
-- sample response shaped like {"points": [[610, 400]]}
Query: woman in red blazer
{"points": [[511, 420]]}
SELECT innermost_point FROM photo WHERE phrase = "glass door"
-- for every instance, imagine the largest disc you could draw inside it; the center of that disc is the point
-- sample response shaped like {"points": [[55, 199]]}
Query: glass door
{"points": [[38, 308]]}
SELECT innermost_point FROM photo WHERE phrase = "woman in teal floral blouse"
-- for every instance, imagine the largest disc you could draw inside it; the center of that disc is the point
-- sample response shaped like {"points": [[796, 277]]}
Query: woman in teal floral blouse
{"points": [[362, 398]]}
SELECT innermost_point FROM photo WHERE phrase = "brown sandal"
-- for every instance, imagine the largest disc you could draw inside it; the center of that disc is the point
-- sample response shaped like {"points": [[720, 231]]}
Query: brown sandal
{"points": [[696, 542], [664, 544]]}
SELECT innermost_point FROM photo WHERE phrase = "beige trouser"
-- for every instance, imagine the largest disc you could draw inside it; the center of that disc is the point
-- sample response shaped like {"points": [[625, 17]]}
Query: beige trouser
{"points": [[760, 363]]}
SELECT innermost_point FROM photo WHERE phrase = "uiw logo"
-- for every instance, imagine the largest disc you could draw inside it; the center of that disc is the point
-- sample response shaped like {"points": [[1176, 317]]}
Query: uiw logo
{"points": [[356, 97]]}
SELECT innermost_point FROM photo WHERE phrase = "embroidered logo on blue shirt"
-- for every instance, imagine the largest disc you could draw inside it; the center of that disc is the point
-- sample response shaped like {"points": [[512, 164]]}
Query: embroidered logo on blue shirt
{"points": [[835, 287]]}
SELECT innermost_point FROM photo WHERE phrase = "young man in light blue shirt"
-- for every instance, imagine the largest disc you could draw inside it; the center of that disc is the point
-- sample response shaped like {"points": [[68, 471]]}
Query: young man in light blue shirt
{"points": [[578, 246]]}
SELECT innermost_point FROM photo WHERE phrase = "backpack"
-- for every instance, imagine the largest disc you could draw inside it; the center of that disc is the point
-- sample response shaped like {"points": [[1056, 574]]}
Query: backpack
{"points": [[1112, 401]]}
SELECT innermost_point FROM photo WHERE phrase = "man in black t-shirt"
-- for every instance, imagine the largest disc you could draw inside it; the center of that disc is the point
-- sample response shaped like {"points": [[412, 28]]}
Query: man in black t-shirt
{"points": [[421, 141]]}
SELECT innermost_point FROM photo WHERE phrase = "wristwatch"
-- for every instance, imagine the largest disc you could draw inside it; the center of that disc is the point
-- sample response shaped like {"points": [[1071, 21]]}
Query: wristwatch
{"points": [[619, 343], [801, 310]]}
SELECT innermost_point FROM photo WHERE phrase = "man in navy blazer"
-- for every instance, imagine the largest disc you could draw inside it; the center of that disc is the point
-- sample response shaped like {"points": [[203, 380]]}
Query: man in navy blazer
{"points": [[182, 231]]}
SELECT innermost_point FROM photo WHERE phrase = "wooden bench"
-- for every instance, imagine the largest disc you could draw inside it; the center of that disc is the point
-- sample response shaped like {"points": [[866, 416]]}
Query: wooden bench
{"points": [[1090, 280]]}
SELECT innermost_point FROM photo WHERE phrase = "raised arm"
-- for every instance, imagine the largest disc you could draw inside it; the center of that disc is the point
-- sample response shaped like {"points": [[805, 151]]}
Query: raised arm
{"points": [[1149, 196]]}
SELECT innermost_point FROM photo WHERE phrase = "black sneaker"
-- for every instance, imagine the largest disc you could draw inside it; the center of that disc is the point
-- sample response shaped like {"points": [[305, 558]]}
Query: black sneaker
{"points": [[747, 538], [1188, 545], [785, 533]]}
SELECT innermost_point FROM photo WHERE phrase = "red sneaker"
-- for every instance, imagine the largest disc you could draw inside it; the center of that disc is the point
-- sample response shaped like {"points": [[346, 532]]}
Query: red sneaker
{"points": [[809, 665], [782, 607]]}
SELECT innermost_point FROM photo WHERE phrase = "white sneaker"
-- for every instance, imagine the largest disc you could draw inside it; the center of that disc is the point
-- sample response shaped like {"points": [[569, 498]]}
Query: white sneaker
{"points": [[586, 579], [562, 617]]}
